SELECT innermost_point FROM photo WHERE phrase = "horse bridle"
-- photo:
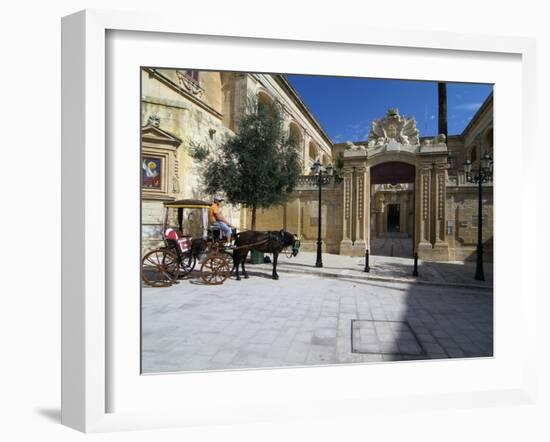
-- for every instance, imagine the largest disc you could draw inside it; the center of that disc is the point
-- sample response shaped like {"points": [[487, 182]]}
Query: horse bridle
{"points": [[294, 249]]}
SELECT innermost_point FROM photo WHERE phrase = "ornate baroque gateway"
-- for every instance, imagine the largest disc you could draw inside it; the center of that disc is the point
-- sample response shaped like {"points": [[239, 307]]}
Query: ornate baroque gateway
{"points": [[393, 154]]}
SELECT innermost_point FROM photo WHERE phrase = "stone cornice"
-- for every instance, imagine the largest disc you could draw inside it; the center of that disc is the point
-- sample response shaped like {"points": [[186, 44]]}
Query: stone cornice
{"points": [[165, 102]]}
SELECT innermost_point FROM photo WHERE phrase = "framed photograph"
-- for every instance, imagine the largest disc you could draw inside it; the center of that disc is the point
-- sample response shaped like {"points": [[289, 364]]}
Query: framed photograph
{"points": [[250, 238]]}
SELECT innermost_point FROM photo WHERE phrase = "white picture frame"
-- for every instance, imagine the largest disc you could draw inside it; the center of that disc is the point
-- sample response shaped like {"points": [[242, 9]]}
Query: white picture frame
{"points": [[87, 211]]}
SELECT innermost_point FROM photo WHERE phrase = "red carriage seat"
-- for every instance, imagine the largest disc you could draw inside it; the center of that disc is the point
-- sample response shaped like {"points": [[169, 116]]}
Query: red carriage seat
{"points": [[184, 242]]}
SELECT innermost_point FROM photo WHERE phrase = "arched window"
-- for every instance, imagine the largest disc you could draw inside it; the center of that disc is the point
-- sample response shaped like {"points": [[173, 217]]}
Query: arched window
{"points": [[266, 104], [473, 154], [294, 134], [264, 99], [313, 153]]}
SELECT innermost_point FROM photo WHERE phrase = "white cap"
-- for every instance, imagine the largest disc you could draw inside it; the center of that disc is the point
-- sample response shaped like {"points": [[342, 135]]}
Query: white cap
{"points": [[218, 198]]}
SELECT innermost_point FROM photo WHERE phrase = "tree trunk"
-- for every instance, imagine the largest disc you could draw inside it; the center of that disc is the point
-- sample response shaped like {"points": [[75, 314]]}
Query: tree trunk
{"points": [[253, 221]]}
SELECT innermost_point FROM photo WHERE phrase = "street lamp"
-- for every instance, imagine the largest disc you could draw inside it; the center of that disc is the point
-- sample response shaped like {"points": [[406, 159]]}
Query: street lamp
{"points": [[323, 178], [484, 174]]}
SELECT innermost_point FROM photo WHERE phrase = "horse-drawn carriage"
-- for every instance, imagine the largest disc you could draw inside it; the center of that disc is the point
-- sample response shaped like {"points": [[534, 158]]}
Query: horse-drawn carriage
{"points": [[180, 252]]}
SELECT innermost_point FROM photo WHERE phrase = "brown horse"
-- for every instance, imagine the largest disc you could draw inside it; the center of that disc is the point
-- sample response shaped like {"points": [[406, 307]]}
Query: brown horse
{"points": [[267, 242]]}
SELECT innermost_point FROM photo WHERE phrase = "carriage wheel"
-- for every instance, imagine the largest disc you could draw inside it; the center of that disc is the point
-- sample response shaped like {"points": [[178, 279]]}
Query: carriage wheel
{"points": [[160, 268], [229, 257], [215, 269], [187, 263]]}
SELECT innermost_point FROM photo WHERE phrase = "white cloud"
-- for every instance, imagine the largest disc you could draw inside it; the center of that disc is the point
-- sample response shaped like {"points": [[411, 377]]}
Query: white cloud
{"points": [[467, 106]]}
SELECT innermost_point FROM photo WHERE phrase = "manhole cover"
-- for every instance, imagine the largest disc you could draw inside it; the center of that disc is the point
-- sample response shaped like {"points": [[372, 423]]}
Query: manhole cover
{"points": [[384, 337]]}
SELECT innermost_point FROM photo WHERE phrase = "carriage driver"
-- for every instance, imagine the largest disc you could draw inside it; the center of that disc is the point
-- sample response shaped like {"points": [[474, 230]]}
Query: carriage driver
{"points": [[216, 218]]}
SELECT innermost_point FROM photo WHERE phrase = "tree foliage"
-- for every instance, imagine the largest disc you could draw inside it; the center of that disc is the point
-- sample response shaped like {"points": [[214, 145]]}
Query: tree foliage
{"points": [[256, 168]]}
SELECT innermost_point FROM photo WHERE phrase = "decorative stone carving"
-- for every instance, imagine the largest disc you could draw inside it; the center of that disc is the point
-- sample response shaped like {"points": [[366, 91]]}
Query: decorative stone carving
{"points": [[441, 194], [436, 144], [351, 146], [176, 179], [189, 84], [393, 128], [153, 120], [347, 196], [425, 190], [398, 186], [360, 185]]}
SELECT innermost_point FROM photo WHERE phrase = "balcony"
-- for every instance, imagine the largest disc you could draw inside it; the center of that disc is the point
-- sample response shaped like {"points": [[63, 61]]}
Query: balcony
{"points": [[309, 182], [459, 180]]}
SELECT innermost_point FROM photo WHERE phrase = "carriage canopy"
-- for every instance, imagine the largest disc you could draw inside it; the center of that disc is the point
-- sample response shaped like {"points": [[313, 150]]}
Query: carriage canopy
{"points": [[180, 205], [187, 204]]}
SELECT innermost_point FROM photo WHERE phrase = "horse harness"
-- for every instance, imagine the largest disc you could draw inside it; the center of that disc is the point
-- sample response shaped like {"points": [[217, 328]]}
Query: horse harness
{"points": [[271, 238]]}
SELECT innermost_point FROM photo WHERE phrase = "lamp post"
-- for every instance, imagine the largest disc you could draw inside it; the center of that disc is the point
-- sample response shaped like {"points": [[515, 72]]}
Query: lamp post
{"points": [[323, 178], [484, 174]]}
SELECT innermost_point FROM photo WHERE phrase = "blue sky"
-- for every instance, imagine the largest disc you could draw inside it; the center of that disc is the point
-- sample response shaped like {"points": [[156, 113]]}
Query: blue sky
{"points": [[345, 107]]}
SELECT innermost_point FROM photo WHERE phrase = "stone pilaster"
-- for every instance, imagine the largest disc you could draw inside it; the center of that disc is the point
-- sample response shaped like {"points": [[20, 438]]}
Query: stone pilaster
{"points": [[361, 211], [305, 152], [423, 197], [346, 243], [441, 248], [355, 237], [431, 206]]}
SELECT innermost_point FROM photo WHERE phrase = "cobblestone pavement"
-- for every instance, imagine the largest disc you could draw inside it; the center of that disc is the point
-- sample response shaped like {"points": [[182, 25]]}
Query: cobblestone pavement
{"points": [[305, 319]]}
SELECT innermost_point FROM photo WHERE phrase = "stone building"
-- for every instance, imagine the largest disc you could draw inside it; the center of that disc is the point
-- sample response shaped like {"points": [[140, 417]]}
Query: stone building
{"points": [[181, 108], [395, 188]]}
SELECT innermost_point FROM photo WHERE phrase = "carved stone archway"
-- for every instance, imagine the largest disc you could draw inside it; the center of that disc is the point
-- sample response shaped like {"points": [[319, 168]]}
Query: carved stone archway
{"points": [[392, 151]]}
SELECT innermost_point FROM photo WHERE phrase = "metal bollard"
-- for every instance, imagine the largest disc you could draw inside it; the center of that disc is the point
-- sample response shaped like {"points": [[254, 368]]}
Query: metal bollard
{"points": [[367, 268], [415, 269]]}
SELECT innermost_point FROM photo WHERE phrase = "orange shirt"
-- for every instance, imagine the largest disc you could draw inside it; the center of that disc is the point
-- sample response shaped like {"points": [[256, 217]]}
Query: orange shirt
{"points": [[213, 213]]}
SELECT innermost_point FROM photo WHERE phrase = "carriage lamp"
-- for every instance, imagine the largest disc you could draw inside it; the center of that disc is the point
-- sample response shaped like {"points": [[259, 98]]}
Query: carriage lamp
{"points": [[323, 178], [484, 174]]}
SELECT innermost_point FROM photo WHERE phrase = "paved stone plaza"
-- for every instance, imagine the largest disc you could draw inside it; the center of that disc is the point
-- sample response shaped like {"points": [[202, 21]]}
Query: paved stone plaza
{"points": [[310, 316], [392, 246]]}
